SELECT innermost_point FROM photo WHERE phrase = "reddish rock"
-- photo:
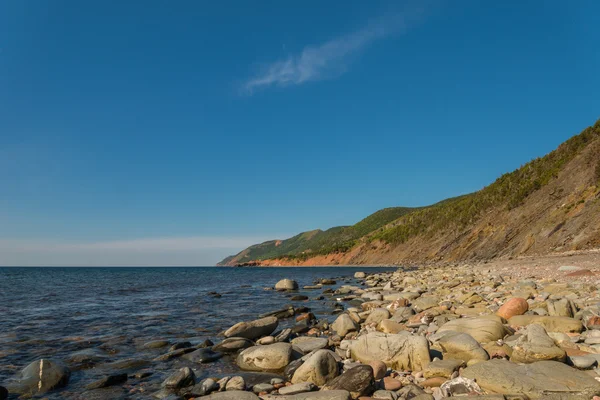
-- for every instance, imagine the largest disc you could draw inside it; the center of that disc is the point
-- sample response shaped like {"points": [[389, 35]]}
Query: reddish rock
{"points": [[436, 381], [379, 369], [581, 272], [514, 306], [391, 384]]}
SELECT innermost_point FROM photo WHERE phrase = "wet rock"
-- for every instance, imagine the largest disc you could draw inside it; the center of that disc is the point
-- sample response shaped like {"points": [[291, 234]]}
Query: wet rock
{"points": [[107, 381], [232, 345], [203, 388], [534, 380], [202, 356], [286, 284], [179, 379], [40, 377], [253, 329], [319, 368], [359, 381], [401, 351], [3, 393], [156, 344], [272, 357]]}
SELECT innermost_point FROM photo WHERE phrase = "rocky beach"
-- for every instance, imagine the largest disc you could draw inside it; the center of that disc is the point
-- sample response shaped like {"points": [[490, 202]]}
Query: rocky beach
{"points": [[433, 332]]}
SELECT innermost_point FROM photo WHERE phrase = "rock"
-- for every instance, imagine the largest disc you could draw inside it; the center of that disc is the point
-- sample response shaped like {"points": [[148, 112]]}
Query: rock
{"points": [[401, 351], [301, 387], [551, 324], [462, 346], [40, 377], [156, 344], [481, 329], [377, 315], [425, 303], [343, 325], [286, 284], [232, 345], [359, 381], [236, 383], [390, 383], [263, 388], [107, 381], [319, 369], [179, 379], [379, 369], [534, 380], [512, 307], [321, 395], [535, 345], [202, 356], [582, 362], [443, 368], [3, 393], [307, 344], [253, 329], [203, 388], [233, 395], [360, 275], [459, 386], [272, 357], [561, 308]]}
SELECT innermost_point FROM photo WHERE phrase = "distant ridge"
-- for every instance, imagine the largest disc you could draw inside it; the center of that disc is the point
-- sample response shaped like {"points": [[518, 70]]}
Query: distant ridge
{"points": [[549, 205]]}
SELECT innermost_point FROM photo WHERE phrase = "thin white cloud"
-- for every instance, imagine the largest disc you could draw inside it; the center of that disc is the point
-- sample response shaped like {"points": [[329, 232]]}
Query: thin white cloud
{"points": [[327, 60], [195, 250]]}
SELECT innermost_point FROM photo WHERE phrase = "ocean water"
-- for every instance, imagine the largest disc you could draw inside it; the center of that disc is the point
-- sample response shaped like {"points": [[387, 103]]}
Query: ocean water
{"points": [[107, 314]]}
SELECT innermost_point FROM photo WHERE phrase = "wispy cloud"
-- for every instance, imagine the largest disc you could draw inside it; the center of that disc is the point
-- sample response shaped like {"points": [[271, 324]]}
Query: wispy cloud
{"points": [[195, 250], [326, 60]]}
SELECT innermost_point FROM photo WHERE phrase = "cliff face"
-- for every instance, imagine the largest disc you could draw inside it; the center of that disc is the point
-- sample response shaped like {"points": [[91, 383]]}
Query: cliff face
{"points": [[549, 205]]}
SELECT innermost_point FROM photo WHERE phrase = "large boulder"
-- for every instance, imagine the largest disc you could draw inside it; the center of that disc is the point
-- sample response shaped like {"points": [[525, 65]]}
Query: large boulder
{"points": [[344, 324], [537, 380], [319, 368], [512, 307], [40, 377], [550, 323], [286, 284], [535, 345], [253, 329], [359, 381], [402, 351], [270, 358], [483, 330]]}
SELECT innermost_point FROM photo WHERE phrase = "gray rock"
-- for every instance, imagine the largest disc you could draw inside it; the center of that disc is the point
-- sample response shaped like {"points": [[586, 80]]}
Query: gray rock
{"points": [[344, 324], [286, 284], [359, 381], [107, 381], [203, 388], [307, 344], [179, 379], [296, 388], [377, 315], [232, 345], [202, 356], [263, 387], [321, 395], [535, 345], [156, 344], [253, 329], [233, 395], [40, 377]]}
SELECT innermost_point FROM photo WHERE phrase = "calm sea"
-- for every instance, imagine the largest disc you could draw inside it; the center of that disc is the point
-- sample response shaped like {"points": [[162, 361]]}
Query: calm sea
{"points": [[109, 313]]}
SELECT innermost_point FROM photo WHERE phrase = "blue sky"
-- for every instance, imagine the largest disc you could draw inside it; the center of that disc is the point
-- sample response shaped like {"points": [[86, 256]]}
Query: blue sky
{"points": [[175, 133]]}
